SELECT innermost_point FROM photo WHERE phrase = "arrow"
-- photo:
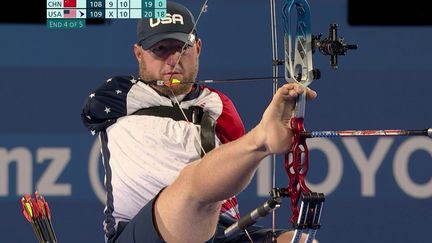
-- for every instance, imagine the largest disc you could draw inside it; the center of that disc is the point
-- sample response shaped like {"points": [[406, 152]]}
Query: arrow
{"points": [[206, 81]]}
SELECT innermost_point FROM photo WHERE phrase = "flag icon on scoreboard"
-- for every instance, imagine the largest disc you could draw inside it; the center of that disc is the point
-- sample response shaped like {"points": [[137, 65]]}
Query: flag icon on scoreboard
{"points": [[69, 13], [69, 3]]}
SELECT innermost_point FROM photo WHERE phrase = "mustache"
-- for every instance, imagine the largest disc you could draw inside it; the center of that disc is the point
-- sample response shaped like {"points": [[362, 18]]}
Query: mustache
{"points": [[188, 79], [175, 71]]}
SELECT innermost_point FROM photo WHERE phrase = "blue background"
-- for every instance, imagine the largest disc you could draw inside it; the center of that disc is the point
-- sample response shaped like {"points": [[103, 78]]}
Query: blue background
{"points": [[46, 74]]}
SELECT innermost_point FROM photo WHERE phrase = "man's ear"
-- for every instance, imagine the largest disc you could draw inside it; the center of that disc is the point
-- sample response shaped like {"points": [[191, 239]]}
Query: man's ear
{"points": [[138, 52], [198, 45]]}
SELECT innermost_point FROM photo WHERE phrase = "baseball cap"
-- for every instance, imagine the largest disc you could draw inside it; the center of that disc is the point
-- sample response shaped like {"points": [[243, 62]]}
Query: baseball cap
{"points": [[178, 24]]}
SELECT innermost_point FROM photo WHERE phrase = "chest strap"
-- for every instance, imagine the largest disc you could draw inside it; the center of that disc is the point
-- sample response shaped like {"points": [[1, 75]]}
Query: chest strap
{"points": [[194, 114]]}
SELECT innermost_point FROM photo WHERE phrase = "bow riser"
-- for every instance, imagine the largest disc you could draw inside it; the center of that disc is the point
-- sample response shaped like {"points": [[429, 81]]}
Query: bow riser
{"points": [[299, 69]]}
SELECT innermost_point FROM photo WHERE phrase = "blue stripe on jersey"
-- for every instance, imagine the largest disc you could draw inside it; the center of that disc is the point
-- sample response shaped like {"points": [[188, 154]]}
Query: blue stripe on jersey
{"points": [[109, 209]]}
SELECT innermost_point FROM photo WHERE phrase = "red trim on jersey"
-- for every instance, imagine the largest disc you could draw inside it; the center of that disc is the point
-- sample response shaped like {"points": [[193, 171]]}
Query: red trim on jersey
{"points": [[229, 126], [230, 208]]}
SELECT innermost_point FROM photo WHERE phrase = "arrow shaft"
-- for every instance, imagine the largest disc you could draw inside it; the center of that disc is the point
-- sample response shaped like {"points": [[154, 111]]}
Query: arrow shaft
{"points": [[207, 81], [364, 133]]}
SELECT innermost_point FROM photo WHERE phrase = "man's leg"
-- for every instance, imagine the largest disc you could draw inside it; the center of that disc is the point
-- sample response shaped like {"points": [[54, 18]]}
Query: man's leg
{"points": [[181, 218], [188, 210]]}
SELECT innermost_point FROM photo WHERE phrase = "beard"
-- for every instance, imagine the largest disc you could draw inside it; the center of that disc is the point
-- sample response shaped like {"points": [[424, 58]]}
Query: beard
{"points": [[182, 88]]}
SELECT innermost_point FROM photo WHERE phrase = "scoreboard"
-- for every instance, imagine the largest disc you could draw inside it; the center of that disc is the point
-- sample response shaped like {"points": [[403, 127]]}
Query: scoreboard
{"points": [[72, 13]]}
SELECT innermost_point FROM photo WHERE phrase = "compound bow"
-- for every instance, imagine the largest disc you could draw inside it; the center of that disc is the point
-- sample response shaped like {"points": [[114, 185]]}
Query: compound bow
{"points": [[299, 69]]}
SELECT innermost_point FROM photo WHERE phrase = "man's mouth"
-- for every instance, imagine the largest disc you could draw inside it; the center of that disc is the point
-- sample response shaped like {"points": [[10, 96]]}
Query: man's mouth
{"points": [[172, 73]]}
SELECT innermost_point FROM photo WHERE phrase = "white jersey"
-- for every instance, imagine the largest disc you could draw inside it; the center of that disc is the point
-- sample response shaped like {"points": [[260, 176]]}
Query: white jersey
{"points": [[143, 154]]}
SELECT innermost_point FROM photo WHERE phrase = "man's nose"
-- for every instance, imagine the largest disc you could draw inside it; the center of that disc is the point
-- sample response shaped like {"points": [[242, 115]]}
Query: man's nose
{"points": [[173, 57]]}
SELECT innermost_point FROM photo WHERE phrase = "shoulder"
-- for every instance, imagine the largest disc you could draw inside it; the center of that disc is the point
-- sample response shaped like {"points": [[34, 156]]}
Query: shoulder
{"points": [[226, 102], [117, 82], [229, 125], [107, 102]]}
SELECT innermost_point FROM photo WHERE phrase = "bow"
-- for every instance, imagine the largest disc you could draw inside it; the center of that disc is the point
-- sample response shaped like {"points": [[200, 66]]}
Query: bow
{"points": [[299, 69], [299, 45]]}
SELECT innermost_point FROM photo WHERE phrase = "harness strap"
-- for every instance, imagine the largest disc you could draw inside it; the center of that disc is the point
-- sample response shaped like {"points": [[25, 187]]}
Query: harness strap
{"points": [[194, 114], [208, 125]]}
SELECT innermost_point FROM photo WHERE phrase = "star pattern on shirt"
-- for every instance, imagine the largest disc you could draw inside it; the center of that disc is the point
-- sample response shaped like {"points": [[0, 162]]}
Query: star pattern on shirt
{"points": [[92, 95], [107, 110], [109, 80], [133, 80], [88, 117], [93, 132], [118, 91]]}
